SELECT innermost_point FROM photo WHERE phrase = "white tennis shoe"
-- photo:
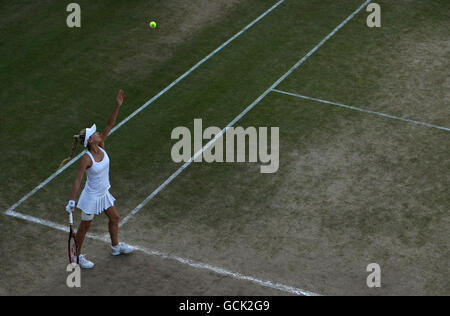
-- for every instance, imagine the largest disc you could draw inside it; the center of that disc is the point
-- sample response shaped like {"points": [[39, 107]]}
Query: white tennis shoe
{"points": [[83, 262], [121, 249]]}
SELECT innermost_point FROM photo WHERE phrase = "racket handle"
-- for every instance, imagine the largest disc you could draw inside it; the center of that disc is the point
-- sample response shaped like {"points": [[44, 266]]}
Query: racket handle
{"points": [[70, 219]]}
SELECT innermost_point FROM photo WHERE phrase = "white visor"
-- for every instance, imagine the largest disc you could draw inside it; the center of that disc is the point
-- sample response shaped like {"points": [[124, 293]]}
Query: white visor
{"points": [[89, 132]]}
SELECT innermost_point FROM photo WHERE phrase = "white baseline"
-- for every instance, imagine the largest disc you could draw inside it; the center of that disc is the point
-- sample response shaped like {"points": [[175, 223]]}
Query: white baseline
{"points": [[191, 263]]}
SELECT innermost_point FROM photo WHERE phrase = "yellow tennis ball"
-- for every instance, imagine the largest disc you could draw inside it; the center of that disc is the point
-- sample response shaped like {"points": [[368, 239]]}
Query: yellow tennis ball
{"points": [[152, 24]]}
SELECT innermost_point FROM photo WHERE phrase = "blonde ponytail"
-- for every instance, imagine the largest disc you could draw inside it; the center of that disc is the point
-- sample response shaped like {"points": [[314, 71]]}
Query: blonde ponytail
{"points": [[76, 139]]}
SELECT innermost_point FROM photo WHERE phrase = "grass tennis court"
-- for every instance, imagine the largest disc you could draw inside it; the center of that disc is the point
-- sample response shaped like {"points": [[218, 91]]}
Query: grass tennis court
{"points": [[364, 146]]}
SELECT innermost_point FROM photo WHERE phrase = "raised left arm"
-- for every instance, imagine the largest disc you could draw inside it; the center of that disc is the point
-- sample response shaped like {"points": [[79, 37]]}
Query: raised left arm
{"points": [[112, 119]]}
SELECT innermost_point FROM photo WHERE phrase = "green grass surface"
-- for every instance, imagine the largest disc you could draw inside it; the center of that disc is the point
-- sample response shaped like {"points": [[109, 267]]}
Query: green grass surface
{"points": [[140, 149]]}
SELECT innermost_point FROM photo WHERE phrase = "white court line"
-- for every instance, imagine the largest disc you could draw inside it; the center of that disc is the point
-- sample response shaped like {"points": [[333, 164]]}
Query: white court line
{"points": [[47, 223], [251, 106], [363, 110], [191, 263], [54, 175]]}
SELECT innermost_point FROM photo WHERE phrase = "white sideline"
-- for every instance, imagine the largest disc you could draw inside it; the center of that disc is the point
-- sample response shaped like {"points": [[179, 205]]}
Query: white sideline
{"points": [[251, 106], [191, 263], [363, 110], [54, 175]]}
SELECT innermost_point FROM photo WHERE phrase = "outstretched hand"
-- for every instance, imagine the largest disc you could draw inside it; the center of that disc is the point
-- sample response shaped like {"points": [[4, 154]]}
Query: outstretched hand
{"points": [[120, 97]]}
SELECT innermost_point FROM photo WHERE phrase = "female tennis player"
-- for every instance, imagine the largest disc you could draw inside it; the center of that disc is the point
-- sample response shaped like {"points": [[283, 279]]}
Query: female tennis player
{"points": [[95, 197]]}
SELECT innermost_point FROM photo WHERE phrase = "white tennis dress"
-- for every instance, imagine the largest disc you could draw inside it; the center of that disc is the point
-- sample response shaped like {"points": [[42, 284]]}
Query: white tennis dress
{"points": [[95, 197]]}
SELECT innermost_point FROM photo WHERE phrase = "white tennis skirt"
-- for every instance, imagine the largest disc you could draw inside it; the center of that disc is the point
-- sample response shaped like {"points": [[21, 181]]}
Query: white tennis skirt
{"points": [[94, 204]]}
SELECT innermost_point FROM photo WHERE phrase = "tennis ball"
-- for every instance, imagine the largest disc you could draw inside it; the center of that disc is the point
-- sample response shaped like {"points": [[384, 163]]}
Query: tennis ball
{"points": [[152, 24]]}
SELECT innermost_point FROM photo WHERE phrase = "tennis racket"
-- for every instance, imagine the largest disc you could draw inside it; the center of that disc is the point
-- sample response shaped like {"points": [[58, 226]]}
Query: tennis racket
{"points": [[73, 246]]}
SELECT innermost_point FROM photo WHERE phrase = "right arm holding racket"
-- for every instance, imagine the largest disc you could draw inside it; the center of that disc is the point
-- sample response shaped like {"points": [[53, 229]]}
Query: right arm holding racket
{"points": [[74, 245], [85, 160]]}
